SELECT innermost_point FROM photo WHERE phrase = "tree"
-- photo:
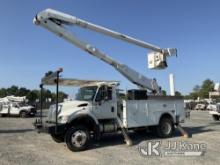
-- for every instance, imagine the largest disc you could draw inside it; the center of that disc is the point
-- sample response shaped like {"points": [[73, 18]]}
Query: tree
{"points": [[61, 96], [164, 93], [13, 90], [196, 88], [3, 92], [33, 95], [23, 91], [193, 95], [207, 86], [177, 93], [47, 95]]}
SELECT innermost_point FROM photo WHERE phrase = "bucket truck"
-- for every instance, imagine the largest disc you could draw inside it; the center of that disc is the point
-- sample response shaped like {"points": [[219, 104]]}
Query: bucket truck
{"points": [[98, 107], [15, 106], [215, 109]]}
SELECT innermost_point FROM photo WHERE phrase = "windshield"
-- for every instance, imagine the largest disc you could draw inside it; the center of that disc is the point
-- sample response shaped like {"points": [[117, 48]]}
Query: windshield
{"points": [[86, 93]]}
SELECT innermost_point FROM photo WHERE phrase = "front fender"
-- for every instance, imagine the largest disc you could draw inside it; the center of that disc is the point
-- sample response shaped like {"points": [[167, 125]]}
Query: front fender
{"points": [[82, 113], [84, 117]]}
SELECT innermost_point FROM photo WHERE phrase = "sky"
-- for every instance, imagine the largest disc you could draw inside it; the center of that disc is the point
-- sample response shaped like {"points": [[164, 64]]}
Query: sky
{"points": [[28, 51]]}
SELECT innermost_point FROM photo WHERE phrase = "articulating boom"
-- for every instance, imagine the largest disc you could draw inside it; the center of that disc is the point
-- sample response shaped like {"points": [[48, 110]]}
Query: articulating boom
{"points": [[54, 21]]}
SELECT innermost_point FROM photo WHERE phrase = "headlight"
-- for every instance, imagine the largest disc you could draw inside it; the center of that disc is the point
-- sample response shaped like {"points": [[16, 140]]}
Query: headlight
{"points": [[63, 119]]}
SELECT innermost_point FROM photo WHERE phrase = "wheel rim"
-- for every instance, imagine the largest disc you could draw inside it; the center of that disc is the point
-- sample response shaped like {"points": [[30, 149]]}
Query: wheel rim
{"points": [[79, 138], [166, 128]]}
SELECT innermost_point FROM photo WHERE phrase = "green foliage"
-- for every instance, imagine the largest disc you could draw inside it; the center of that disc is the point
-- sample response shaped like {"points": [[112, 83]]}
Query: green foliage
{"points": [[61, 95], [23, 91], [164, 93], [13, 90], [207, 86], [177, 93], [202, 91], [194, 95], [196, 88], [3, 92], [32, 96]]}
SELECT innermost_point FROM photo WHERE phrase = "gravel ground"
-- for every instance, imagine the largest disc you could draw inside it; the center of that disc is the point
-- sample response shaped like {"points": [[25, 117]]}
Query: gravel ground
{"points": [[21, 145]]}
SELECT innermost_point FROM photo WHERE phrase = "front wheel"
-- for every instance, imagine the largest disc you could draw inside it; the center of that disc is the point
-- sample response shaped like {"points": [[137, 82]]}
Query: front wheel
{"points": [[2, 115], [23, 114], [77, 138], [215, 117], [165, 128]]}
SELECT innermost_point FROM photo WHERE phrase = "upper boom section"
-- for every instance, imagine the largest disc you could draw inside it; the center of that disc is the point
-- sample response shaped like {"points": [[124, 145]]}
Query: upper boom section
{"points": [[62, 18], [54, 21]]}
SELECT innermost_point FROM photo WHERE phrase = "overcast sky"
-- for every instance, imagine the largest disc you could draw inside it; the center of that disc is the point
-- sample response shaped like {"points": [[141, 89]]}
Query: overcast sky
{"points": [[193, 27]]}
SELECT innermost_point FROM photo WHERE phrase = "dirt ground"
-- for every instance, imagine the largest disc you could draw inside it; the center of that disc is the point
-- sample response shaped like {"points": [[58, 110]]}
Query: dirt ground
{"points": [[21, 145]]}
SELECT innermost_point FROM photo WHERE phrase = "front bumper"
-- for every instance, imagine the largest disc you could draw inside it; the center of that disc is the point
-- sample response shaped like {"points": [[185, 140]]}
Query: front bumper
{"points": [[214, 113], [50, 128], [32, 112]]}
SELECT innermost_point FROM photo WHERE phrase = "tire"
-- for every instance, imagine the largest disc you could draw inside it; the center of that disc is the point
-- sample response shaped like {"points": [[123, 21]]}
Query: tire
{"points": [[23, 114], [58, 138], [77, 138], [141, 131], [165, 128], [215, 117], [3, 115]]}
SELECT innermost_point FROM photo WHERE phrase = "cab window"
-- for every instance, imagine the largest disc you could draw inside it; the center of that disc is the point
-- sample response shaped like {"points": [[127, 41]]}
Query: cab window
{"points": [[104, 93], [109, 93]]}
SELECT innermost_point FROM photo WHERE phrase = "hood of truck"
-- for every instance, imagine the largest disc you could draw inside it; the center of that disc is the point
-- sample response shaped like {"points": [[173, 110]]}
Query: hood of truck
{"points": [[74, 103], [67, 108]]}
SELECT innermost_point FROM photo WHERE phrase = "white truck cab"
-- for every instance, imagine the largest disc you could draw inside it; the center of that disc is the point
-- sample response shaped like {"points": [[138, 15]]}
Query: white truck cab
{"points": [[215, 112], [99, 100]]}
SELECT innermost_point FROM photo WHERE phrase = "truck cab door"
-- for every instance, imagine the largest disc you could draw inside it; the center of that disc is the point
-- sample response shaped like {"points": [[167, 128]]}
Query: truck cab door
{"points": [[105, 105], [14, 109], [4, 109]]}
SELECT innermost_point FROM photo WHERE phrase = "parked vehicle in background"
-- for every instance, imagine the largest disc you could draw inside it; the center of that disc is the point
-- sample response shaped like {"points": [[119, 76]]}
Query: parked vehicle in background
{"points": [[189, 104], [211, 107], [200, 107], [215, 112], [15, 106]]}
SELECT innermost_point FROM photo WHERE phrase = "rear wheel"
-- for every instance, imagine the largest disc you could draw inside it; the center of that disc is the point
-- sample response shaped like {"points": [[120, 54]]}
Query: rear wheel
{"points": [[215, 117], [165, 128], [23, 114], [77, 138]]}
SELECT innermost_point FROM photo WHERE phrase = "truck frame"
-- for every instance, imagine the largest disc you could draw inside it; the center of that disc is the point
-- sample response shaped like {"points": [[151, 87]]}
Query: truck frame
{"points": [[98, 107]]}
